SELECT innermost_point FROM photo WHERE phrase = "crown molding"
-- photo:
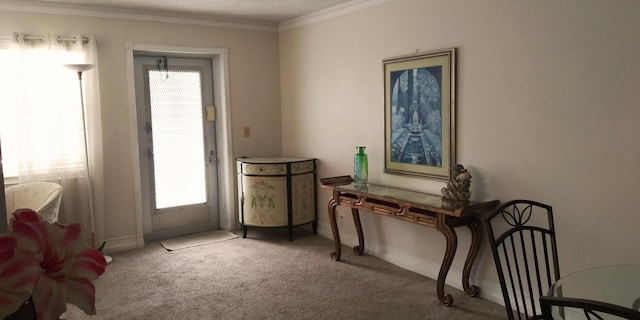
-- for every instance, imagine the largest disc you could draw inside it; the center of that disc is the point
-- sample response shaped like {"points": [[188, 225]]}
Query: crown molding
{"points": [[329, 13], [28, 6], [137, 15]]}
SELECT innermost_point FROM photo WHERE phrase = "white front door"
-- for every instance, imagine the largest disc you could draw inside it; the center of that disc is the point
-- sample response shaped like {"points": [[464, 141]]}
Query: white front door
{"points": [[176, 135]]}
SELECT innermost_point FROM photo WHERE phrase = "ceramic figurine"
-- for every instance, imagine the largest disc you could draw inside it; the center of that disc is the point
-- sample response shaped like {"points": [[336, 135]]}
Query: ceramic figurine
{"points": [[457, 188]]}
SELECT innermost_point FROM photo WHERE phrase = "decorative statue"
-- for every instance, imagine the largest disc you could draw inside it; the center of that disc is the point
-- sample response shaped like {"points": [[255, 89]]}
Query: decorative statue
{"points": [[457, 189]]}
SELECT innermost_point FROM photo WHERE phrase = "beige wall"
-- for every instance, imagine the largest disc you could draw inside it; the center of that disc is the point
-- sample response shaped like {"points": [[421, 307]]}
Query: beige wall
{"points": [[547, 109], [254, 93]]}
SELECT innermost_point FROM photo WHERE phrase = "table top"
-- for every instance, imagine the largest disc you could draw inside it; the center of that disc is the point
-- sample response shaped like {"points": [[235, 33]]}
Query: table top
{"points": [[618, 285], [394, 193], [402, 196]]}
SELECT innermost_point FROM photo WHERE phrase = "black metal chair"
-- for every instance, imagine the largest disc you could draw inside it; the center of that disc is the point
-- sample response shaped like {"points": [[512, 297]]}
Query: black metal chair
{"points": [[592, 310], [523, 242]]}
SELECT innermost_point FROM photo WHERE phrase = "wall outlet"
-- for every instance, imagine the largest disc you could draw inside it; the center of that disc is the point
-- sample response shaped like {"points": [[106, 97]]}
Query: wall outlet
{"points": [[246, 132]]}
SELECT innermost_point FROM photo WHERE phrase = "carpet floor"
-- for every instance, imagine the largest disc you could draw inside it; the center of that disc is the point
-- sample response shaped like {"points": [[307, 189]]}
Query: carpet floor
{"points": [[265, 276]]}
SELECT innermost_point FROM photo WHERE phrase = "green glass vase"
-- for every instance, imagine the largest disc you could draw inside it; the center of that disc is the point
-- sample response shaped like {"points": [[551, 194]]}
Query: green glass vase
{"points": [[360, 167]]}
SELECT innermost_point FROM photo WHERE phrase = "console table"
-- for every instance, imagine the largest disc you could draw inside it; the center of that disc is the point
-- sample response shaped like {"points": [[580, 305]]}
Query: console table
{"points": [[420, 208]]}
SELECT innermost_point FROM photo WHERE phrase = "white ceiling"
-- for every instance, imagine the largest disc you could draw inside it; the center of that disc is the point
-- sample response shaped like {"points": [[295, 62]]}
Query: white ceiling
{"points": [[270, 11]]}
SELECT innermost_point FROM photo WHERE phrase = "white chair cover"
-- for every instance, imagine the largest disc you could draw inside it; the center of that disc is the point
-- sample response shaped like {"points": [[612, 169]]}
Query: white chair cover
{"points": [[42, 197]]}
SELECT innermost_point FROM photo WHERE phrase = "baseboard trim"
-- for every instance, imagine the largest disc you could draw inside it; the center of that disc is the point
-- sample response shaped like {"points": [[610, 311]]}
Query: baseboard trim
{"points": [[122, 244]]}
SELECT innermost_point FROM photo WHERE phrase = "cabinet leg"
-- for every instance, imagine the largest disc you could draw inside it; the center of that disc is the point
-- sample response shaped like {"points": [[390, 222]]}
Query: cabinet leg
{"points": [[244, 231]]}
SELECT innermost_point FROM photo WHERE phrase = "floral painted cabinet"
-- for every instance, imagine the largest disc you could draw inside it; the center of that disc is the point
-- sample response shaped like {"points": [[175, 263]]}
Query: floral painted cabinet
{"points": [[277, 192]]}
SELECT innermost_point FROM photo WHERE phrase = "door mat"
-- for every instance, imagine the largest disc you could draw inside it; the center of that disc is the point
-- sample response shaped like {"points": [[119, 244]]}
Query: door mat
{"points": [[197, 239]]}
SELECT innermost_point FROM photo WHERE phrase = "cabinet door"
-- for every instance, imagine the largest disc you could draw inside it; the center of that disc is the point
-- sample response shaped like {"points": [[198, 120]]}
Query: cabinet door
{"points": [[265, 201], [303, 198]]}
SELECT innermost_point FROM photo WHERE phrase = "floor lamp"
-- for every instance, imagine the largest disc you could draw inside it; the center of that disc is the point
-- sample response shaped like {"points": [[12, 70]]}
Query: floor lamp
{"points": [[80, 68], [3, 207]]}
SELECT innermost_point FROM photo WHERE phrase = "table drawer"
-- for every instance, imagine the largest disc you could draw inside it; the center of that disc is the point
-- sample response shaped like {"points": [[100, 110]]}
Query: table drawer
{"points": [[264, 169], [302, 167]]}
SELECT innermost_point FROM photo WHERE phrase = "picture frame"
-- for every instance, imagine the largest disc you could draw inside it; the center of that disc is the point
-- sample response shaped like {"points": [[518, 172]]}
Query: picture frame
{"points": [[419, 109]]}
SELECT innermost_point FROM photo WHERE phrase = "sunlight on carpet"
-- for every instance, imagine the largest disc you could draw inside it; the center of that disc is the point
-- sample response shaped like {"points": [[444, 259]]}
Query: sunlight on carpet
{"points": [[197, 239]]}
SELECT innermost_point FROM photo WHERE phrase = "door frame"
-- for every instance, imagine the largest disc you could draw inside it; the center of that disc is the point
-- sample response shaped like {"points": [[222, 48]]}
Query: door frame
{"points": [[155, 221], [226, 171]]}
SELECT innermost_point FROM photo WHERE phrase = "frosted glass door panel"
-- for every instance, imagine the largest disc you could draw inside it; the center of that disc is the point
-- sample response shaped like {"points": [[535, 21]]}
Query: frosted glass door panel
{"points": [[178, 141]]}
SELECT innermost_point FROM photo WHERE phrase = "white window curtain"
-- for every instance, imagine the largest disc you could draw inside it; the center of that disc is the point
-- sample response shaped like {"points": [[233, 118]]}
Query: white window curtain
{"points": [[41, 118]]}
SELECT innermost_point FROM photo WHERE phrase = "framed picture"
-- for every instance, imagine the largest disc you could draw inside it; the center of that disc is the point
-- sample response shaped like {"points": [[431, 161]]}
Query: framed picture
{"points": [[419, 111]]}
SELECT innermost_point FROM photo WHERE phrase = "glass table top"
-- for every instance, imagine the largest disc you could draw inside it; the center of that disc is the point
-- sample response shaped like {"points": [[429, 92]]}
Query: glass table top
{"points": [[395, 193], [402, 195], [618, 285]]}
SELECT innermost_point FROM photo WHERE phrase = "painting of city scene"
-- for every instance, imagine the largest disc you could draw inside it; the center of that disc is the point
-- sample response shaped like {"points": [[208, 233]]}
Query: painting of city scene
{"points": [[418, 114]]}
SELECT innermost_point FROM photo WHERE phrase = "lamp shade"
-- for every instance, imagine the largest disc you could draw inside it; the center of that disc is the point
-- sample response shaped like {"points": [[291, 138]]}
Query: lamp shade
{"points": [[80, 67]]}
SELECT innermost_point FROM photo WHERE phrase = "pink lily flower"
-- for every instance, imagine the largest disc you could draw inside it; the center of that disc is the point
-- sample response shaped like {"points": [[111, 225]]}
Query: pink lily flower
{"points": [[65, 267], [18, 273]]}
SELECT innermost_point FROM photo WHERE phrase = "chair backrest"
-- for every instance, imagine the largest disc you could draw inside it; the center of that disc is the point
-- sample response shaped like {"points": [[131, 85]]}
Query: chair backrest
{"points": [[42, 197], [589, 309], [523, 242]]}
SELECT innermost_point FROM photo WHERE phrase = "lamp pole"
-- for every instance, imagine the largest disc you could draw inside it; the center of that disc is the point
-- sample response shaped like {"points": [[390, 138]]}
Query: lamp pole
{"points": [[3, 207], [80, 68]]}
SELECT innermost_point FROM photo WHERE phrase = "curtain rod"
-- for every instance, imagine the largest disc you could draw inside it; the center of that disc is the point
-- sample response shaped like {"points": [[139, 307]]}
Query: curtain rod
{"points": [[58, 38]]}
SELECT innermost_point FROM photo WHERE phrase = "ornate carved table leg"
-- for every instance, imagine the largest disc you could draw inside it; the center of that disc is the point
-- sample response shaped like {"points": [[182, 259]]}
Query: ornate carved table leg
{"points": [[359, 249], [452, 244], [333, 203], [476, 240]]}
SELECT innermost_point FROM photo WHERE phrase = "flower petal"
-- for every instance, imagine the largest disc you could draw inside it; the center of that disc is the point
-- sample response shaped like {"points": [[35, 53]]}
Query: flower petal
{"points": [[71, 232], [49, 298], [89, 263], [19, 274], [7, 247], [26, 215], [31, 236], [17, 277], [82, 294]]}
